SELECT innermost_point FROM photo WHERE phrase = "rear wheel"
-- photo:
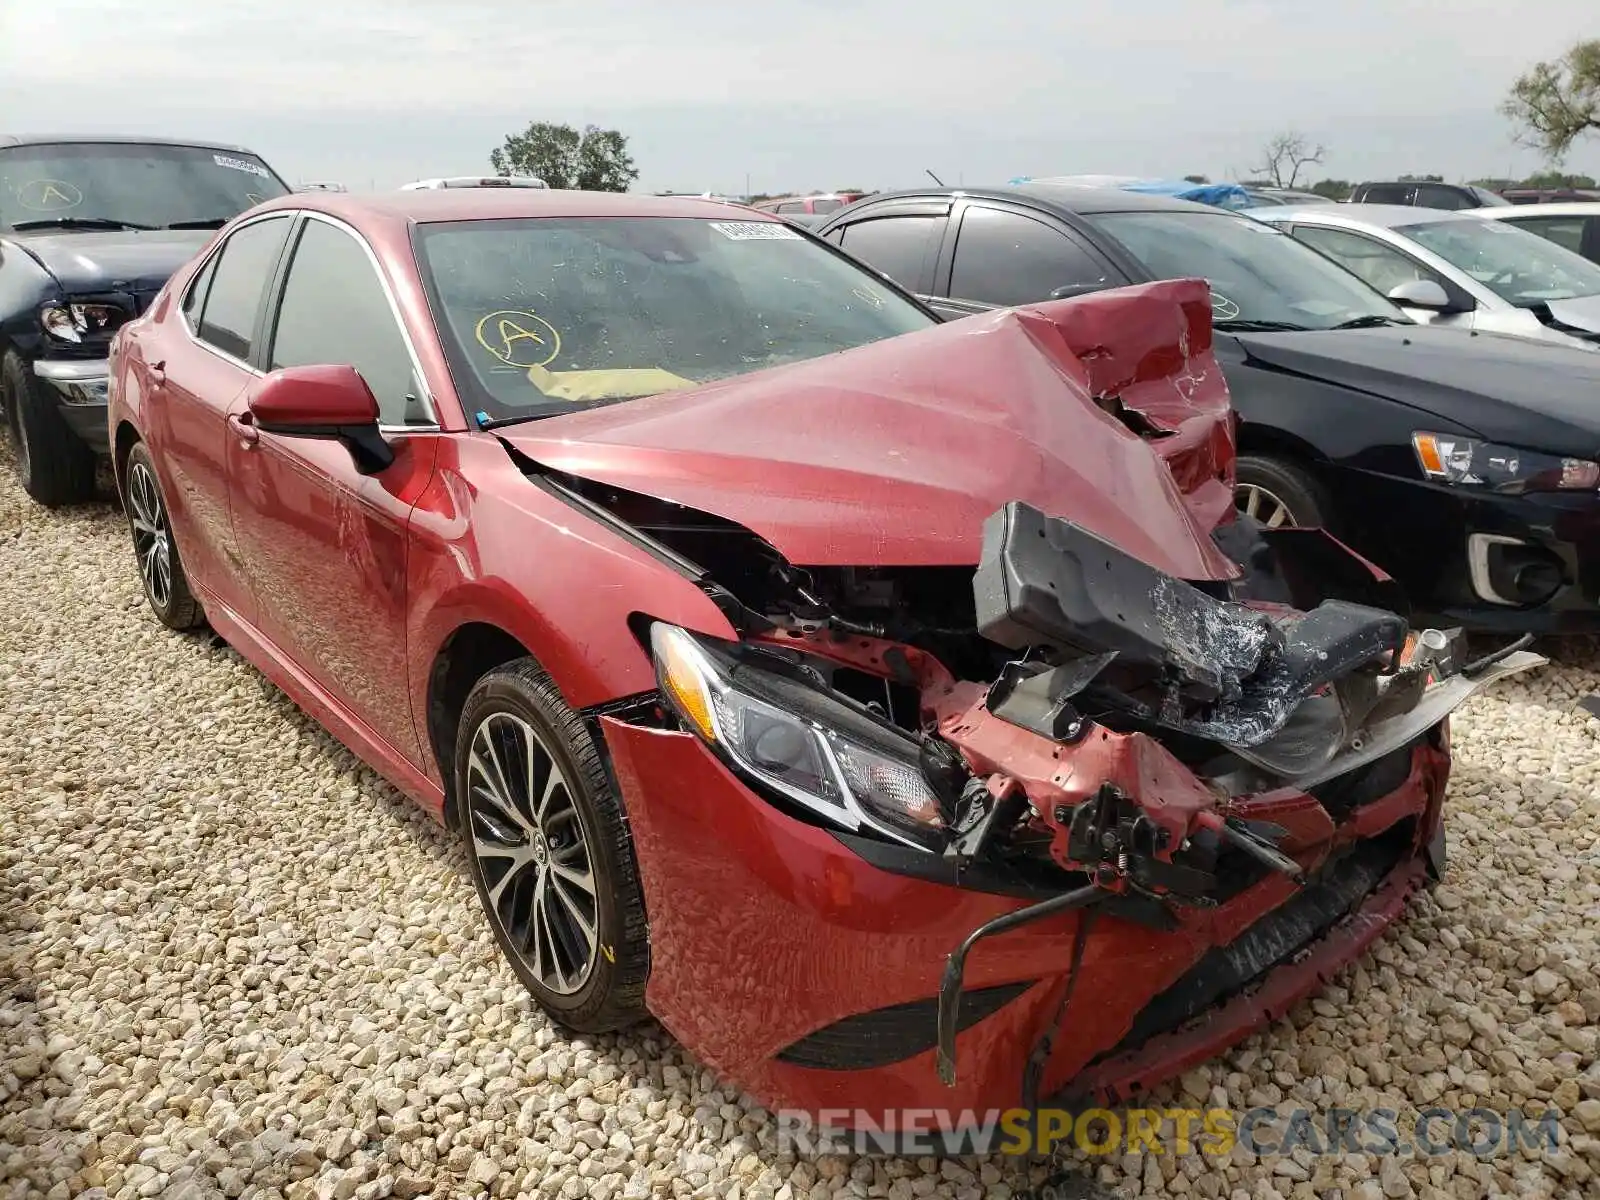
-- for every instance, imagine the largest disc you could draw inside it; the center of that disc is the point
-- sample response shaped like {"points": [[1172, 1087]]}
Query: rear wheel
{"points": [[550, 851], [166, 587], [1278, 493], [52, 463]]}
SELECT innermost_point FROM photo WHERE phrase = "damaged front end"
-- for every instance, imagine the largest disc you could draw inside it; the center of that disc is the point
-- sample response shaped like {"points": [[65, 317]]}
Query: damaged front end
{"points": [[1141, 744], [1072, 727]]}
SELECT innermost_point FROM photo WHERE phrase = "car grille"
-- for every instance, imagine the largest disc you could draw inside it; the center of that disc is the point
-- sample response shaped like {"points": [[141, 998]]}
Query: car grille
{"points": [[893, 1034], [1225, 971]]}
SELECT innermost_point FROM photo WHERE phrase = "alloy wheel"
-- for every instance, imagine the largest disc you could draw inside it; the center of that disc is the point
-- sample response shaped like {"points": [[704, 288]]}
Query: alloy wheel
{"points": [[152, 541], [533, 852], [1264, 505]]}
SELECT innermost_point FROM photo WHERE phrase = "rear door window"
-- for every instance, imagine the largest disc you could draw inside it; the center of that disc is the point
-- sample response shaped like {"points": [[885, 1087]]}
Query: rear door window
{"points": [[1431, 195], [1387, 193], [1007, 258], [245, 265], [897, 246]]}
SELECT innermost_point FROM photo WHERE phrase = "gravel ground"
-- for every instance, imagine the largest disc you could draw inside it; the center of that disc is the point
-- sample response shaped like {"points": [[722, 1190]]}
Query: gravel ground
{"points": [[232, 961]]}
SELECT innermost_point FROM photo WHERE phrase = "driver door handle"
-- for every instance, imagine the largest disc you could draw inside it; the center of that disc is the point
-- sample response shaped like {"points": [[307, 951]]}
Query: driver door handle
{"points": [[243, 425]]}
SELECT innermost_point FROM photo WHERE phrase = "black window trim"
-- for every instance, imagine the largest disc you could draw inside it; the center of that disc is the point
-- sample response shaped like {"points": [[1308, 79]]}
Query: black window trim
{"points": [[205, 273], [274, 302], [945, 268], [210, 260]]}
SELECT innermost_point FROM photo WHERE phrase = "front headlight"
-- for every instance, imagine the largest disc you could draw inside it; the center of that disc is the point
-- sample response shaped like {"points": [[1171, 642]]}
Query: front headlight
{"points": [[837, 760], [1470, 463], [74, 322]]}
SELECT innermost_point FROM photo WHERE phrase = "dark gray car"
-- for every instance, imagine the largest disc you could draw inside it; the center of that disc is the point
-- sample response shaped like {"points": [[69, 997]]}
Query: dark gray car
{"points": [[90, 230]]}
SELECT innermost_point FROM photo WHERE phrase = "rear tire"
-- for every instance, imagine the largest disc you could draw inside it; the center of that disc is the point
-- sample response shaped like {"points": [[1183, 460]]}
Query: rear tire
{"points": [[52, 463], [155, 553], [550, 852], [1278, 493]]}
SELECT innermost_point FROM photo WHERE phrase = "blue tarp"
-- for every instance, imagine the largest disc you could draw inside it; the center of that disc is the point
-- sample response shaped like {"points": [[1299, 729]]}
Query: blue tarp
{"points": [[1218, 195]]}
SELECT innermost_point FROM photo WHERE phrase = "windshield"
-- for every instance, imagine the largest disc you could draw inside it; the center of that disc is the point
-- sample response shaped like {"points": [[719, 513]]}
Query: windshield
{"points": [[111, 184], [1258, 276], [542, 315], [1520, 267], [1487, 198]]}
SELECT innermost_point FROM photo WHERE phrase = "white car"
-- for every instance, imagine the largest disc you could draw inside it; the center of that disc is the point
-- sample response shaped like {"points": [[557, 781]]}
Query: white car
{"points": [[1574, 224], [1457, 269], [476, 181]]}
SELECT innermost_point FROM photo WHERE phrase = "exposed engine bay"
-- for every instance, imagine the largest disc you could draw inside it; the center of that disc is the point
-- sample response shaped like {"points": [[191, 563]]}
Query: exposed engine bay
{"points": [[1068, 706]]}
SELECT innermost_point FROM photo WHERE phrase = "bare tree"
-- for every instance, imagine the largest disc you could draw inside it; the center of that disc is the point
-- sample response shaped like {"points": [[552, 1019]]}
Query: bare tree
{"points": [[1285, 155]]}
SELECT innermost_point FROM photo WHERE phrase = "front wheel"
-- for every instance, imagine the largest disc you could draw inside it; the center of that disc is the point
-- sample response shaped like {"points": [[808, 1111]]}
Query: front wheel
{"points": [[1278, 493], [52, 463], [550, 851]]}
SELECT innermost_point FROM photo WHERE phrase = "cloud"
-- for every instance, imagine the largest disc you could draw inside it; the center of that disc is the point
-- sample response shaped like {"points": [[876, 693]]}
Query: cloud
{"points": [[867, 92]]}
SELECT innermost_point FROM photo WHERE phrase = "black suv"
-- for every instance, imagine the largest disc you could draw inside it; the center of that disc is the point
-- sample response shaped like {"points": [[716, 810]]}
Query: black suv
{"points": [[90, 230], [1426, 193], [1467, 465]]}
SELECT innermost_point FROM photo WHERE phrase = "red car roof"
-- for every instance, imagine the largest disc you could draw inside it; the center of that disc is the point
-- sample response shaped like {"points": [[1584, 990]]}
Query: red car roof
{"points": [[467, 204]]}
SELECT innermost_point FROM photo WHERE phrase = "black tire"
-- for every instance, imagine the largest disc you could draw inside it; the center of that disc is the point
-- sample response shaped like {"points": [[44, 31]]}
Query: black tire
{"points": [[166, 590], [52, 463], [610, 993], [1287, 483]]}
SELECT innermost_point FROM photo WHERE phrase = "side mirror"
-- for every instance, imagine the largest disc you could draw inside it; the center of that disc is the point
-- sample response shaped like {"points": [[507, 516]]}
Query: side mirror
{"points": [[1424, 294], [323, 402]]}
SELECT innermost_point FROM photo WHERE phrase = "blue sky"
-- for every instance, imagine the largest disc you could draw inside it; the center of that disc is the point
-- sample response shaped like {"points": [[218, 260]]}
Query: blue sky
{"points": [[801, 95]]}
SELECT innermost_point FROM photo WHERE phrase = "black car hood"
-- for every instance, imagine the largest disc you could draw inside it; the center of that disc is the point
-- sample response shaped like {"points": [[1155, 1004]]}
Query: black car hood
{"points": [[1533, 395], [121, 261]]}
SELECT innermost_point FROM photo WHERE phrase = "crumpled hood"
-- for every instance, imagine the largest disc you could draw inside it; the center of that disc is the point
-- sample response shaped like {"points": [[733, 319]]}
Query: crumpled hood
{"points": [[1532, 394], [1582, 312], [893, 454], [114, 261]]}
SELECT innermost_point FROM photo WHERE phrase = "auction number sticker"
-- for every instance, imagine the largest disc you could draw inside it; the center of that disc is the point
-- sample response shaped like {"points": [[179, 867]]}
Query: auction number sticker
{"points": [[239, 164], [755, 231]]}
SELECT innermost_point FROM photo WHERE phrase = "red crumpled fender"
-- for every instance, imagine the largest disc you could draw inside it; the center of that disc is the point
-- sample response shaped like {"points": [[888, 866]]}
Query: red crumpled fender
{"points": [[1153, 366]]}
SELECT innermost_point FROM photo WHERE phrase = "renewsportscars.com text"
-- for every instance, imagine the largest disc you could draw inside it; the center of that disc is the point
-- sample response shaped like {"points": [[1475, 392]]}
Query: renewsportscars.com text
{"points": [[1427, 1132]]}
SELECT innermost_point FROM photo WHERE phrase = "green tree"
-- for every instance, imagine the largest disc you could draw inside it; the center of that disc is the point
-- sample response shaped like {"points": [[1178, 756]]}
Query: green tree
{"points": [[1195, 179], [595, 160], [1557, 179], [1558, 102], [1422, 179], [1333, 189]]}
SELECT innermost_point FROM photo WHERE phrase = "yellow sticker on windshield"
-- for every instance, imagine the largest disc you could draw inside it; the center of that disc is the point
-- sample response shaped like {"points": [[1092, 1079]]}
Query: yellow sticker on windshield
{"points": [[518, 337], [48, 195]]}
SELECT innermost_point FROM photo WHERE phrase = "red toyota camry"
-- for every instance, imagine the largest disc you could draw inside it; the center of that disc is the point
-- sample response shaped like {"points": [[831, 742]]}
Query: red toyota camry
{"points": [[896, 710]]}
